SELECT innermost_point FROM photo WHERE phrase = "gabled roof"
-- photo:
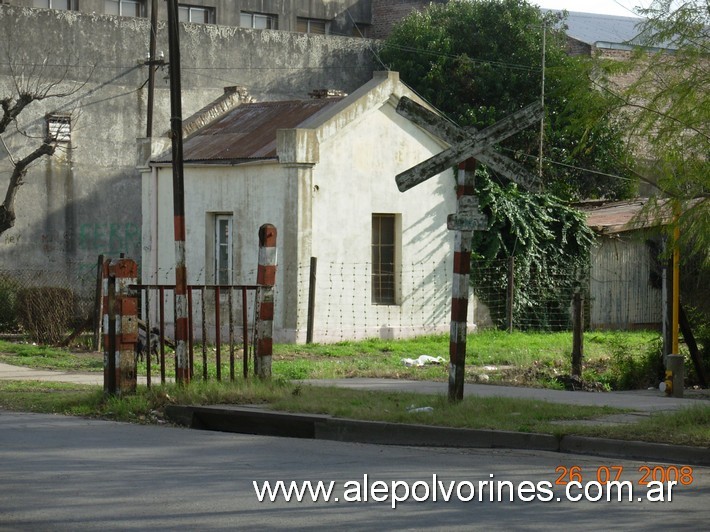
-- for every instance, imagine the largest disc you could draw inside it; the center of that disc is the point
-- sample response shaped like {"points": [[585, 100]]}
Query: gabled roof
{"points": [[289, 132], [248, 131]]}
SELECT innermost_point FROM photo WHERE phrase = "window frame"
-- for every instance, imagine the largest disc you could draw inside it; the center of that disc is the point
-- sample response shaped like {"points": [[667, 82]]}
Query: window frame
{"points": [[384, 281], [58, 128], [210, 13], [141, 5], [309, 21], [71, 5], [272, 20], [219, 244]]}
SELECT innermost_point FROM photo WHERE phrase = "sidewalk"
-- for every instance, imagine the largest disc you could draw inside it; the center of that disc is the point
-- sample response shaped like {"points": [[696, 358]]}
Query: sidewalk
{"points": [[246, 419]]}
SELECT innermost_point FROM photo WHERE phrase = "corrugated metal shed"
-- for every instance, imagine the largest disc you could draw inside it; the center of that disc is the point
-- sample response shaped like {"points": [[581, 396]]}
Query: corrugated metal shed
{"points": [[247, 132]]}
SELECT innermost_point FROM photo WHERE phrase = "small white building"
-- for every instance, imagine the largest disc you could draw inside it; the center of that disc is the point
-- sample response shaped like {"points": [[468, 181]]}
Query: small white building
{"points": [[323, 172]]}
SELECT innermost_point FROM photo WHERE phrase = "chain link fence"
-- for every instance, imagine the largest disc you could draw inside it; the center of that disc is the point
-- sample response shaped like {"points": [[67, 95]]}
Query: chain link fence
{"points": [[45, 305]]}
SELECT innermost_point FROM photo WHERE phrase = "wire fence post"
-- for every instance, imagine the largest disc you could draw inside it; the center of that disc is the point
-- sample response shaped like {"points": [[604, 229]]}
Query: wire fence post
{"points": [[577, 333], [510, 300], [311, 300], [266, 278]]}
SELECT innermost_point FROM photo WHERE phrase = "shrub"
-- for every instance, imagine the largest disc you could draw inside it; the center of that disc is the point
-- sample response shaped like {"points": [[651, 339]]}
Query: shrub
{"points": [[8, 296], [45, 313]]}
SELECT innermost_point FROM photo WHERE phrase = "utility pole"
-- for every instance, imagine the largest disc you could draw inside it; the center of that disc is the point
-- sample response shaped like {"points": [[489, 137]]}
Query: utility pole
{"points": [[182, 370], [542, 99], [151, 66]]}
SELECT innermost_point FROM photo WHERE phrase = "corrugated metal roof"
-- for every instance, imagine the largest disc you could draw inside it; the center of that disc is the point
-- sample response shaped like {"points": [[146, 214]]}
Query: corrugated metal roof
{"points": [[619, 216], [248, 131], [591, 28], [606, 30]]}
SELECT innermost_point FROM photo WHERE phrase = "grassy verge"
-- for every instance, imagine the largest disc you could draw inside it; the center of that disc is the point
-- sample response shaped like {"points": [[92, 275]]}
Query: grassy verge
{"points": [[613, 360], [688, 427]]}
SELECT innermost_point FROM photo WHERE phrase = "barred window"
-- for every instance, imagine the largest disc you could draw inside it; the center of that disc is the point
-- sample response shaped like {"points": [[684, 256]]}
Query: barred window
{"points": [[59, 128]]}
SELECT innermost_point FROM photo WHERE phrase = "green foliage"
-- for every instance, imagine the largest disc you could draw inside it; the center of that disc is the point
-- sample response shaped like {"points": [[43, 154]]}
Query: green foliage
{"points": [[45, 313], [479, 61], [8, 295], [549, 240], [670, 113]]}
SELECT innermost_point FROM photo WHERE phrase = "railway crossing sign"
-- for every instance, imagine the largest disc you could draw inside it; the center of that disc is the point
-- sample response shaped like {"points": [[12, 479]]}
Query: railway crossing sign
{"points": [[467, 144], [466, 147]]}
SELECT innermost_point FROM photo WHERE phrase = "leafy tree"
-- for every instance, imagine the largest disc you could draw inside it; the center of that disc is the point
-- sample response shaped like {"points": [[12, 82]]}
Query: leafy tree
{"points": [[478, 61], [670, 114]]}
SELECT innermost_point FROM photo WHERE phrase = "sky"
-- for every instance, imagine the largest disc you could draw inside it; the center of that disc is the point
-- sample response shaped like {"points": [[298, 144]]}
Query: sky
{"points": [[623, 8]]}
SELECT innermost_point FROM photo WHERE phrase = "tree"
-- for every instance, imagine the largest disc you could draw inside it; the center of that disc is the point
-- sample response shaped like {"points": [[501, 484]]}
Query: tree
{"points": [[669, 105], [478, 61], [29, 84]]}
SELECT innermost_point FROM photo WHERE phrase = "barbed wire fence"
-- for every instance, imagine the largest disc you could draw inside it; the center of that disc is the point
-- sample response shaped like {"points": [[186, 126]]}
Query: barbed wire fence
{"points": [[505, 296]]}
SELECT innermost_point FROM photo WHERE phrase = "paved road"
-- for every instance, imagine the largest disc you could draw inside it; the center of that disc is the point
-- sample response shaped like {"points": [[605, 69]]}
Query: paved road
{"points": [[64, 473]]}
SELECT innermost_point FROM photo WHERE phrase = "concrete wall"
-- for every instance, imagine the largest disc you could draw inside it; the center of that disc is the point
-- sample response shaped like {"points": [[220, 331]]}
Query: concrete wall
{"points": [[87, 200], [342, 14]]}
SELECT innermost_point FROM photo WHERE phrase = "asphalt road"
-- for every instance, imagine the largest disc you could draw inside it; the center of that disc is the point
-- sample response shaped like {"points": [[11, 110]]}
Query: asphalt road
{"points": [[65, 473]]}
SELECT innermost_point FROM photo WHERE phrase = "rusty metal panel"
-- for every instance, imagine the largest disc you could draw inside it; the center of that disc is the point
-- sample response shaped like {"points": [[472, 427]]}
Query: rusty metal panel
{"points": [[248, 131]]}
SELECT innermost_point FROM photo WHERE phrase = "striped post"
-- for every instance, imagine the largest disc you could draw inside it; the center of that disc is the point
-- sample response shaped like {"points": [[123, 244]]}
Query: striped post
{"points": [[266, 278], [460, 288], [120, 326]]}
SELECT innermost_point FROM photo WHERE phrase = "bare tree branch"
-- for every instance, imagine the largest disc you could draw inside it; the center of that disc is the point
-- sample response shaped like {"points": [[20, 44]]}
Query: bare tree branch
{"points": [[7, 209]]}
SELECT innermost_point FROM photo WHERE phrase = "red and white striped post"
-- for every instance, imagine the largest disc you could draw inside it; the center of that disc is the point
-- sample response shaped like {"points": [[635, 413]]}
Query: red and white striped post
{"points": [[460, 288], [266, 279], [120, 326]]}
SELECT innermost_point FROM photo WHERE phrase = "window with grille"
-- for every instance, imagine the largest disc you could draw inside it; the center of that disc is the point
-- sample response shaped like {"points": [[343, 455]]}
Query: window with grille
{"points": [[384, 256], [59, 128], [257, 21]]}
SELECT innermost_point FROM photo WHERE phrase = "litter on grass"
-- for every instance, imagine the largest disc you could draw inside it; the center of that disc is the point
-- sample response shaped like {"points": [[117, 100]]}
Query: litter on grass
{"points": [[422, 361]]}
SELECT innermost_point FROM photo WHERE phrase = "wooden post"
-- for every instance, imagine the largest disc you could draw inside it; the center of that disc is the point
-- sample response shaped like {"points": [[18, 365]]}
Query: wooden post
{"points": [[311, 300], [97, 304], [266, 278], [182, 369], [511, 293], [577, 333], [121, 324]]}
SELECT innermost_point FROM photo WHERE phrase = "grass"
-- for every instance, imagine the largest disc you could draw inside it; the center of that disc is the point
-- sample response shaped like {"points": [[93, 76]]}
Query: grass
{"points": [[686, 427], [615, 360], [530, 359]]}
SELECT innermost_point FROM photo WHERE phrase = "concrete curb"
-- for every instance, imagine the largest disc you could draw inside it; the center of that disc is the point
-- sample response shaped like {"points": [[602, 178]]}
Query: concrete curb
{"points": [[248, 420]]}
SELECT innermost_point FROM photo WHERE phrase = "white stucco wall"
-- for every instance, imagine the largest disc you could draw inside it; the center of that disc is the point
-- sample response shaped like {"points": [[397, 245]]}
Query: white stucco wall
{"points": [[321, 210], [356, 178]]}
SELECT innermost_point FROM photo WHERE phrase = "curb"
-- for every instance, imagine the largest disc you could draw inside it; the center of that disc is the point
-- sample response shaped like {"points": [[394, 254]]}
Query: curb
{"points": [[248, 420]]}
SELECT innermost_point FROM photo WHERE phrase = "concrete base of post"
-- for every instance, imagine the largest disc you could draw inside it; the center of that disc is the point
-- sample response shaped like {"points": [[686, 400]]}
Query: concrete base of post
{"points": [[675, 365]]}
